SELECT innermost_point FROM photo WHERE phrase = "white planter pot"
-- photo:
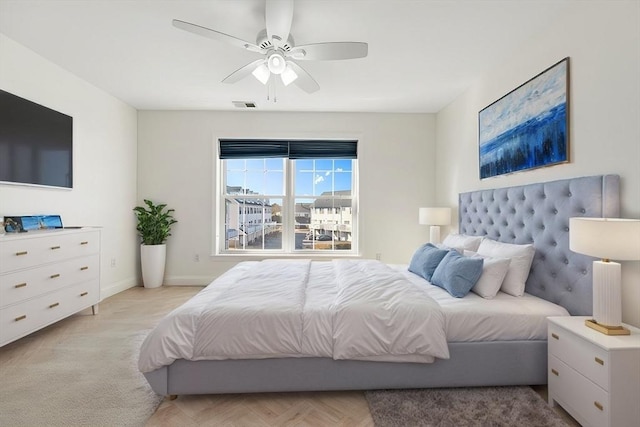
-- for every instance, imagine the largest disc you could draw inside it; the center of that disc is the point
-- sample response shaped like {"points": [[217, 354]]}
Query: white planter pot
{"points": [[152, 260]]}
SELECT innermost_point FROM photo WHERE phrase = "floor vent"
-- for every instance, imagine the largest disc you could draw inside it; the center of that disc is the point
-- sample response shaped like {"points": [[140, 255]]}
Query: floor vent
{"points": [[244, 104]]}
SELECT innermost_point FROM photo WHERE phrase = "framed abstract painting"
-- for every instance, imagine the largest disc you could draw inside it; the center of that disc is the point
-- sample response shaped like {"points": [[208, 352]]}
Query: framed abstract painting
{"points": [[528, 127]]}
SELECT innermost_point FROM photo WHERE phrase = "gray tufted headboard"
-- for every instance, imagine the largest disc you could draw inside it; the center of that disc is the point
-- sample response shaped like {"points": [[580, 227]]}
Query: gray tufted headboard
{"points": [[539, 214]]}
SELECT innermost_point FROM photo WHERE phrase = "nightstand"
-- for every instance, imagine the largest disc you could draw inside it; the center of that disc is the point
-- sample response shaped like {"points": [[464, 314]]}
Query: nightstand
{"points": [[594, 377]]}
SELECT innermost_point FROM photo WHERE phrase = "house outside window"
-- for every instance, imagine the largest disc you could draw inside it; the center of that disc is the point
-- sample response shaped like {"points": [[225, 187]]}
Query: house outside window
{"points": [[298, 198]]}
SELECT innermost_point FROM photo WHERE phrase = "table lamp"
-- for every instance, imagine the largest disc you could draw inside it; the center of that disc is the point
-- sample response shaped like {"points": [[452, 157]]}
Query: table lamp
{"points": [[606, 238], [435, 217]]}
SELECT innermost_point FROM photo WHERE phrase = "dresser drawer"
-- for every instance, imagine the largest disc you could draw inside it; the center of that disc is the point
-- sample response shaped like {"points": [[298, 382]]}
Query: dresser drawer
{"points": [[583, 399], [24, 284], [582, 355], [17, 254], [21, 319]]}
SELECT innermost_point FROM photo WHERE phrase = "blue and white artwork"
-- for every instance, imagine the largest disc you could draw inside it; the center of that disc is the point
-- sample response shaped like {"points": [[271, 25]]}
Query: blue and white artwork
{"points": [[527, 128]]}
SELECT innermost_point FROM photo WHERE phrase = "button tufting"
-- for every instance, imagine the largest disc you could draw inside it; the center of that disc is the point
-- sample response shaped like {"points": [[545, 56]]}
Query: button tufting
{"points": [[566, 229], [554, 275], [569, 288], [555, 211], [584, 272], [566, 261], [554, 244], [583, 210], [569, 195], [542, 287]]}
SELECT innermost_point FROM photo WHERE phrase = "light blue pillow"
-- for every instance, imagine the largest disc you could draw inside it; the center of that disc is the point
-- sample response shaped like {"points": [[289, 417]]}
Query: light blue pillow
{"points": [[457, 274], [426, 259]]}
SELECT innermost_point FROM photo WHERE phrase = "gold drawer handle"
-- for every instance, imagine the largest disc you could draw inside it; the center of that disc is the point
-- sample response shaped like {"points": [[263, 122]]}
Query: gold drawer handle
{"points": [[84, 268], [53, 248], [20, 285], [84, 243], [600, 361], [54, 276], [21, 253], [84, 294], [598, 405], [555, 336], [55, 304], [19, 318], [554, 372]]}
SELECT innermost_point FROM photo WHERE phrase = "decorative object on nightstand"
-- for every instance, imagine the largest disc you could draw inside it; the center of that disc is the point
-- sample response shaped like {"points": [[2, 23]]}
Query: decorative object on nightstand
{"points": [[606, 238], [435, 217], [594, 377], [154, 227]]}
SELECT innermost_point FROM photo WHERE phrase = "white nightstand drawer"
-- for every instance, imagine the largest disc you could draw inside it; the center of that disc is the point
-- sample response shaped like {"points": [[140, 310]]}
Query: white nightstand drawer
{"points": [[582, 355], [583, 399]]}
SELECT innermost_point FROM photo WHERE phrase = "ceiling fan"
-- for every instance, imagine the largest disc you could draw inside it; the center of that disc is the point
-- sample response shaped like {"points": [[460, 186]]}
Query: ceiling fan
{"points": [[279, 51]]}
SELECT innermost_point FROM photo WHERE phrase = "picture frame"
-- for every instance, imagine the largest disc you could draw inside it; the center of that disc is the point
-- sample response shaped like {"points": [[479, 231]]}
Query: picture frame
{"points": [[527, 128]]}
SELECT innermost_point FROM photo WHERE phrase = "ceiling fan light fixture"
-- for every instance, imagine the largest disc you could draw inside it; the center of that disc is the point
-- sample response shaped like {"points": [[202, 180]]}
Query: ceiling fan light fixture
{"points": [[262, 73], [288, 76], [276, 63]]}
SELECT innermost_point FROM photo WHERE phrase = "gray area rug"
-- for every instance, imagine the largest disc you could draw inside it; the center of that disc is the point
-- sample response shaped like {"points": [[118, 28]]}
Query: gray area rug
{"points": [[458, 407], [84, 381]]}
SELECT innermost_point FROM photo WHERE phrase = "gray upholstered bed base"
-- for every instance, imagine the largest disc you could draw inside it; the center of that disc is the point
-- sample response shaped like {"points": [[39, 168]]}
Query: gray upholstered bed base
{"points": [[535, 213], [471, 364]]}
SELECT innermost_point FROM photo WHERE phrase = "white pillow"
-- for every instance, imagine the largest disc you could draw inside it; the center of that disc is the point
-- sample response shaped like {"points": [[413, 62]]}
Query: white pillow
{"points": [[521, 258], [493, 272], [462, 241]]}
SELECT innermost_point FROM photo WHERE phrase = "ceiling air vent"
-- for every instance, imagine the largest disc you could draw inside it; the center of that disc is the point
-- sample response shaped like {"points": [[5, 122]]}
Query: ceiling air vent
{"points": [[244, 104]]}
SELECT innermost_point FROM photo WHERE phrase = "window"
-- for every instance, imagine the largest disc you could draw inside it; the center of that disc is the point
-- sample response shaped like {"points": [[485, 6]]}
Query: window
{"points": [[287, 197]]}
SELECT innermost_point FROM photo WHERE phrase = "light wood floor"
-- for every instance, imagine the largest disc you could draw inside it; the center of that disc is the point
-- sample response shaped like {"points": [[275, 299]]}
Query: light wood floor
{"points": [[143, 308]]}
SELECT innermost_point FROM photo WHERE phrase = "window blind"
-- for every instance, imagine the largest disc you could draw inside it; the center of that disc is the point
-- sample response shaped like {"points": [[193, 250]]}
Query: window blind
{"points": [[298, 149]]}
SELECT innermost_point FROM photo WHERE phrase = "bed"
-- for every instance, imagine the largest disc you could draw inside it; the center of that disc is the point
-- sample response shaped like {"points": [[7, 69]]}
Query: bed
{"points": [[535, 213]]}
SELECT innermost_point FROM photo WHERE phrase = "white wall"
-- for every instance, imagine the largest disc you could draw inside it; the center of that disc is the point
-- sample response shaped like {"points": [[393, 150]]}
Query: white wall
{"points": [[176, 165], [104, 159], [603, 43]]}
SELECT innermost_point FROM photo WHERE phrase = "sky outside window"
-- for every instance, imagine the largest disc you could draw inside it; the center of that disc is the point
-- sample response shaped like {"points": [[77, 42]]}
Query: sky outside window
{"points": [[312, 176]]}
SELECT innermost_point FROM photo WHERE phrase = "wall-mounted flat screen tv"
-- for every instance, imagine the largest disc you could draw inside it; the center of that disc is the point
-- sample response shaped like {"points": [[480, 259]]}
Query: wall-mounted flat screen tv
{"points": [[36, 143]]}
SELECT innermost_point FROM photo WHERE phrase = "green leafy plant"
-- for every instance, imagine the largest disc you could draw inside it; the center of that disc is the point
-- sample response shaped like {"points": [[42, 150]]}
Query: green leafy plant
{"points": [[154, 222]]}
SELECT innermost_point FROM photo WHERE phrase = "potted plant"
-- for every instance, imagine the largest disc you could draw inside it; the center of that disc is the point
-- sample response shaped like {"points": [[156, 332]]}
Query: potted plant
{"points": [[154, 227]]}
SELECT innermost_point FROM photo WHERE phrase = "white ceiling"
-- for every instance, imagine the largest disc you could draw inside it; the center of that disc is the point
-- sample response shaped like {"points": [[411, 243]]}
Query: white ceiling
{"points": [[422, 54]]}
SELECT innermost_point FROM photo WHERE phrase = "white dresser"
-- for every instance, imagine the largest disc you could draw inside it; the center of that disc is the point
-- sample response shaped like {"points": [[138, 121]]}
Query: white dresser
{"points": [[593, 376], [46, 276]]}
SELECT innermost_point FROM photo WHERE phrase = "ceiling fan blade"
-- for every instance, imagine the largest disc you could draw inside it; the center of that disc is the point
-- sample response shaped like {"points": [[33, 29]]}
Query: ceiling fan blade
{"points": [[304, 80], [243, 72], [329, 51], [278, 15], [216, 35]]}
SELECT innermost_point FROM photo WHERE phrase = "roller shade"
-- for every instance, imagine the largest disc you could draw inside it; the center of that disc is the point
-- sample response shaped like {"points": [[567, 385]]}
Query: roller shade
{"points": [[298, 149]]}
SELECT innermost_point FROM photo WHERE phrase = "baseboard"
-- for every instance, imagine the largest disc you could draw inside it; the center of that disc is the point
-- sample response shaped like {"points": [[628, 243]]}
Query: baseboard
{"points": [[117, 287], [188, 280]]}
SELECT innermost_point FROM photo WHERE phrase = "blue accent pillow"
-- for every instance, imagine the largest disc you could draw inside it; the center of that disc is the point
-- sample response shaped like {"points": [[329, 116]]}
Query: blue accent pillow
{"points": [[457, 274], [426, 259]]}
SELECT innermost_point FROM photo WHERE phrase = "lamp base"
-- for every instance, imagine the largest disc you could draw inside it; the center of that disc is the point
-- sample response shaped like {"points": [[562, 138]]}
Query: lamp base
{"points": [[434, 234], [606, 329]]}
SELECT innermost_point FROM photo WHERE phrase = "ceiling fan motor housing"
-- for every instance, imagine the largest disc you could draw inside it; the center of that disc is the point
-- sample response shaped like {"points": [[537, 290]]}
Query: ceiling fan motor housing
{"points": [[263, 41]]}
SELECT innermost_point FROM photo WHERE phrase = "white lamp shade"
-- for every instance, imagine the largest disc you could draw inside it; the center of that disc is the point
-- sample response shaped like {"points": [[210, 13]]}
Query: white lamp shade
{"points": [[434, 216], [605, 238], [262, 73], [288, 75]]}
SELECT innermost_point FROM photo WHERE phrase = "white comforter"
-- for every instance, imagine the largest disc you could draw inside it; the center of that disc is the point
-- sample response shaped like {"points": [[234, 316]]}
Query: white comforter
{"points": [[343, 309]]}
